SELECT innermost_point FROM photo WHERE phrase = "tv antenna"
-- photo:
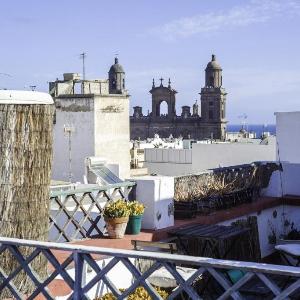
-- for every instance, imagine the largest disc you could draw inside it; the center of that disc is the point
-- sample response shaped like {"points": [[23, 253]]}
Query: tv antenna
{"points": [[5, 74], [83, 57], [244, 120]]}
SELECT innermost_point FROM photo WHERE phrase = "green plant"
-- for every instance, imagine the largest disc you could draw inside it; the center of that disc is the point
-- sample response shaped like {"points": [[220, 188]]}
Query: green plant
{"points": [[116, 209], [139, 294], [136, 208]]}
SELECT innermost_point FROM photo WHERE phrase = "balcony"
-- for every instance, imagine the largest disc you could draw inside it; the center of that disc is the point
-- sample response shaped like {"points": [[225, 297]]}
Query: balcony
{"points": [[82, 263]]}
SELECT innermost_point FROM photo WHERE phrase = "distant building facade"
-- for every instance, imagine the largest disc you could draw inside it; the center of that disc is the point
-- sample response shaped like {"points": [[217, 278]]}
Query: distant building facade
{"points": [[92, 119], [210, 123]]}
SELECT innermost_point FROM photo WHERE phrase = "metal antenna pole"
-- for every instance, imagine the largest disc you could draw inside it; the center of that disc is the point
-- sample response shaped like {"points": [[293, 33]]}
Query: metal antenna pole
{"points": [[69, 129], [83, 56], [5, 74], [70, 157]]}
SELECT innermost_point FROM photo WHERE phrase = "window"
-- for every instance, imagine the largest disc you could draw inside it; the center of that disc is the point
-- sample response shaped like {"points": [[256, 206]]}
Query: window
{"points": [[211, 103], [163, 109], [123, 83], [210, 114], [113, 84]]}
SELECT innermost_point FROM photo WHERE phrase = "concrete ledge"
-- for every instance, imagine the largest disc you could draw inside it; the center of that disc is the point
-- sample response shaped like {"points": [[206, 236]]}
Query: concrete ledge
{"points": [[214, 218], [224, 215]]}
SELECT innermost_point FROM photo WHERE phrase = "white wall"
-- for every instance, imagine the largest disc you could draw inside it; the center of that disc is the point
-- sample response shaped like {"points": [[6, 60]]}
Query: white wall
{"points": [[288, 136], [169, 162], [157, 194], [201, 157], [82, 142], [267, 219], [285, 182], [168, 169], [179, 156], [209, 156], [100, 128], [112, 131]]}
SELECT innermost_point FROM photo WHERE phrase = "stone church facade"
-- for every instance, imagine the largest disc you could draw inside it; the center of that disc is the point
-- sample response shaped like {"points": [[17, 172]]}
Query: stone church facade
{"points": [[209, 123]]}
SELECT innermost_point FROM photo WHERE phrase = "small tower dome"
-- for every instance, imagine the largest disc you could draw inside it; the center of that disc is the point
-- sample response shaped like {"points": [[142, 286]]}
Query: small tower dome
{"points": [[213, 74], [116, 76], [116, 67], [213, 64]]}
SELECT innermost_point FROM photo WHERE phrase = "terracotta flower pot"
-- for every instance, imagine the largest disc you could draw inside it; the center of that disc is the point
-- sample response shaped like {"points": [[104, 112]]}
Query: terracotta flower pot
{"points": [[116, 227]]}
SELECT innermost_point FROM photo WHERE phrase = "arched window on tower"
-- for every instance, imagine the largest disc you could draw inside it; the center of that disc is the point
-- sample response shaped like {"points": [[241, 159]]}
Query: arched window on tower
{"points": [[114, 84], [162, 109], [210, 114], [211, 81], [123, 83]]}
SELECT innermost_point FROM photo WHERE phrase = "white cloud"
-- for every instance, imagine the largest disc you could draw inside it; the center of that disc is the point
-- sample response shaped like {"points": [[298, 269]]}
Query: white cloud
{"points": [[255, 84], [257, 11]]}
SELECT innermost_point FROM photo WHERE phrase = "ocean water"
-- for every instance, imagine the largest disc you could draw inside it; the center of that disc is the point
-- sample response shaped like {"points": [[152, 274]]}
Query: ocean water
{"points": [[257, 128]]}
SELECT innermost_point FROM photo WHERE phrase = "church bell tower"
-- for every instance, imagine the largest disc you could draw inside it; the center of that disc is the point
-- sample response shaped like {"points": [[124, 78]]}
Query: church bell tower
{"points": [[116, 77], [213, 101]]}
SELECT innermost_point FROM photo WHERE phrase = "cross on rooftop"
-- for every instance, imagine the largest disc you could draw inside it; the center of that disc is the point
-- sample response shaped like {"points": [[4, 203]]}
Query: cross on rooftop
{"points": [[161, 80]]}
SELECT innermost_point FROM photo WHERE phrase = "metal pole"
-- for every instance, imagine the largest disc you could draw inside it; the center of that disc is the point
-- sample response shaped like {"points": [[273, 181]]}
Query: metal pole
{"points": [[83, 56], [68, 129], [70, 157]]}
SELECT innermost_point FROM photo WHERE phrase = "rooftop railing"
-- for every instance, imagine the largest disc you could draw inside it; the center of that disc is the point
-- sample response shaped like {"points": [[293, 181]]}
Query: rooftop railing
{"points": [[280, 282], [77, 214]]}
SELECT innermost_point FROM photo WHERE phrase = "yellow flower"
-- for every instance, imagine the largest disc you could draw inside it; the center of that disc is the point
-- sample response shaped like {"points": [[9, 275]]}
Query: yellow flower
{"points": [[136, 208], [116, 209]]}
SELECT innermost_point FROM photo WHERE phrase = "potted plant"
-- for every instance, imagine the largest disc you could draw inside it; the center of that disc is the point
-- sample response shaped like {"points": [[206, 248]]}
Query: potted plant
{"points": [[116, 214], [136, 210]]}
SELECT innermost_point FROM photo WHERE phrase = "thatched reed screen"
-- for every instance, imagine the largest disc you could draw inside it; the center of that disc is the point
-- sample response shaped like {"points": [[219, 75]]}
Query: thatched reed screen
{"points": [[25, 166], [224, 180]]}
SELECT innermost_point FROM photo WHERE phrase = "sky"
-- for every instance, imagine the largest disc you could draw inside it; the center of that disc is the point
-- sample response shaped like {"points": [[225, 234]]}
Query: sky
{"points": [[257, 43]]}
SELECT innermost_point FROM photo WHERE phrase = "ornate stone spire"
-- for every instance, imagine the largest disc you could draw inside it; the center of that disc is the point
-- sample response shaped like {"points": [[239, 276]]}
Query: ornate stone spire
{"points": [[169, 83], [161, 81], [195, 109], [153, 83]]}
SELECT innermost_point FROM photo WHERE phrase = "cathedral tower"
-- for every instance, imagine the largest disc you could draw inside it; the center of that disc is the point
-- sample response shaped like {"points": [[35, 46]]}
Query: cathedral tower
{"points": [[162, 94], [116, 76], [213, 101]]}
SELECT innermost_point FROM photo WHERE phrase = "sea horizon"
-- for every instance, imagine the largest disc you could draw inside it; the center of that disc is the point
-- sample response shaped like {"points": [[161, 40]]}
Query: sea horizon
{"points": [[257, 128]]}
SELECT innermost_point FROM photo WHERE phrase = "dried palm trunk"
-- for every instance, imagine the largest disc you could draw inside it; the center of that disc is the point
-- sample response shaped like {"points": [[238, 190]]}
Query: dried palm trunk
{"points": [[25, 169]]}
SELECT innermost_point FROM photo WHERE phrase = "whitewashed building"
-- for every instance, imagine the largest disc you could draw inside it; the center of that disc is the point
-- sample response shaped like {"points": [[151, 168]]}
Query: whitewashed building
{"points": [[92, 119], [203, 156]]}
